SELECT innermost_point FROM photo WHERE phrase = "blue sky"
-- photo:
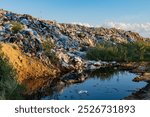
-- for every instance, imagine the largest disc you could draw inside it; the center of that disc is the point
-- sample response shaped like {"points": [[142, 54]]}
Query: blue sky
{"points": [[88, 11], [125, 14]]}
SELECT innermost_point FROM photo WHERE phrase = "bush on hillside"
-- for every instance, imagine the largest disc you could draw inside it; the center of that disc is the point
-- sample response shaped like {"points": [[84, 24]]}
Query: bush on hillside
{"points": [[47, 47], [138, 51], [16, 27]]}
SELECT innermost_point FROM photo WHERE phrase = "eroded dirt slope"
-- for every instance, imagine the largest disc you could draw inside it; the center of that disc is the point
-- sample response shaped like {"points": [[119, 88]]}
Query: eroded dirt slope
{"points": [[26, 67]]}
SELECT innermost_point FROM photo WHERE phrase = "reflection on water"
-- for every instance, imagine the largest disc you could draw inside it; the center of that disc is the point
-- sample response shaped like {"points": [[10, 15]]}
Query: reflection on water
{"points": [[104, 74], [100, 85]]}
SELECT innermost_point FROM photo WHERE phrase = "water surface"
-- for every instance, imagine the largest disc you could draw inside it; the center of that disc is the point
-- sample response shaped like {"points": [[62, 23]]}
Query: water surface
{"points": [[100, 85]]}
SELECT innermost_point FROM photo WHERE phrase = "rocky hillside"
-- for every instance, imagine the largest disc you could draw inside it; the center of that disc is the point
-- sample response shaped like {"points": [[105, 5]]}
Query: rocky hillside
{"points": [[55, 44]]}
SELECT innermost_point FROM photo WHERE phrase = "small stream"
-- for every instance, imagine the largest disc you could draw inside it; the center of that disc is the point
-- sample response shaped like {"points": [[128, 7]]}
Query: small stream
{"points": [[100, 85]]}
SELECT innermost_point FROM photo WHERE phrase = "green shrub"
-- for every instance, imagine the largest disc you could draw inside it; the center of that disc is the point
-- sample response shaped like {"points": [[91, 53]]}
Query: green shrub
{"points": [[47, 47], [138, 51], [16, 27]]}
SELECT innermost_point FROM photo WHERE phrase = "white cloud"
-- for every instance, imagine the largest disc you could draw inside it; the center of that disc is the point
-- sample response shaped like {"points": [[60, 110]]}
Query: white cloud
{"points": [[143, 29]]}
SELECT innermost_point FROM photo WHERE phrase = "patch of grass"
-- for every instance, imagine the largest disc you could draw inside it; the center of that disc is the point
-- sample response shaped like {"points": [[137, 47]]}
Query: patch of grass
{"points": [[16, 27], [47, 47], [138, 51]]}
